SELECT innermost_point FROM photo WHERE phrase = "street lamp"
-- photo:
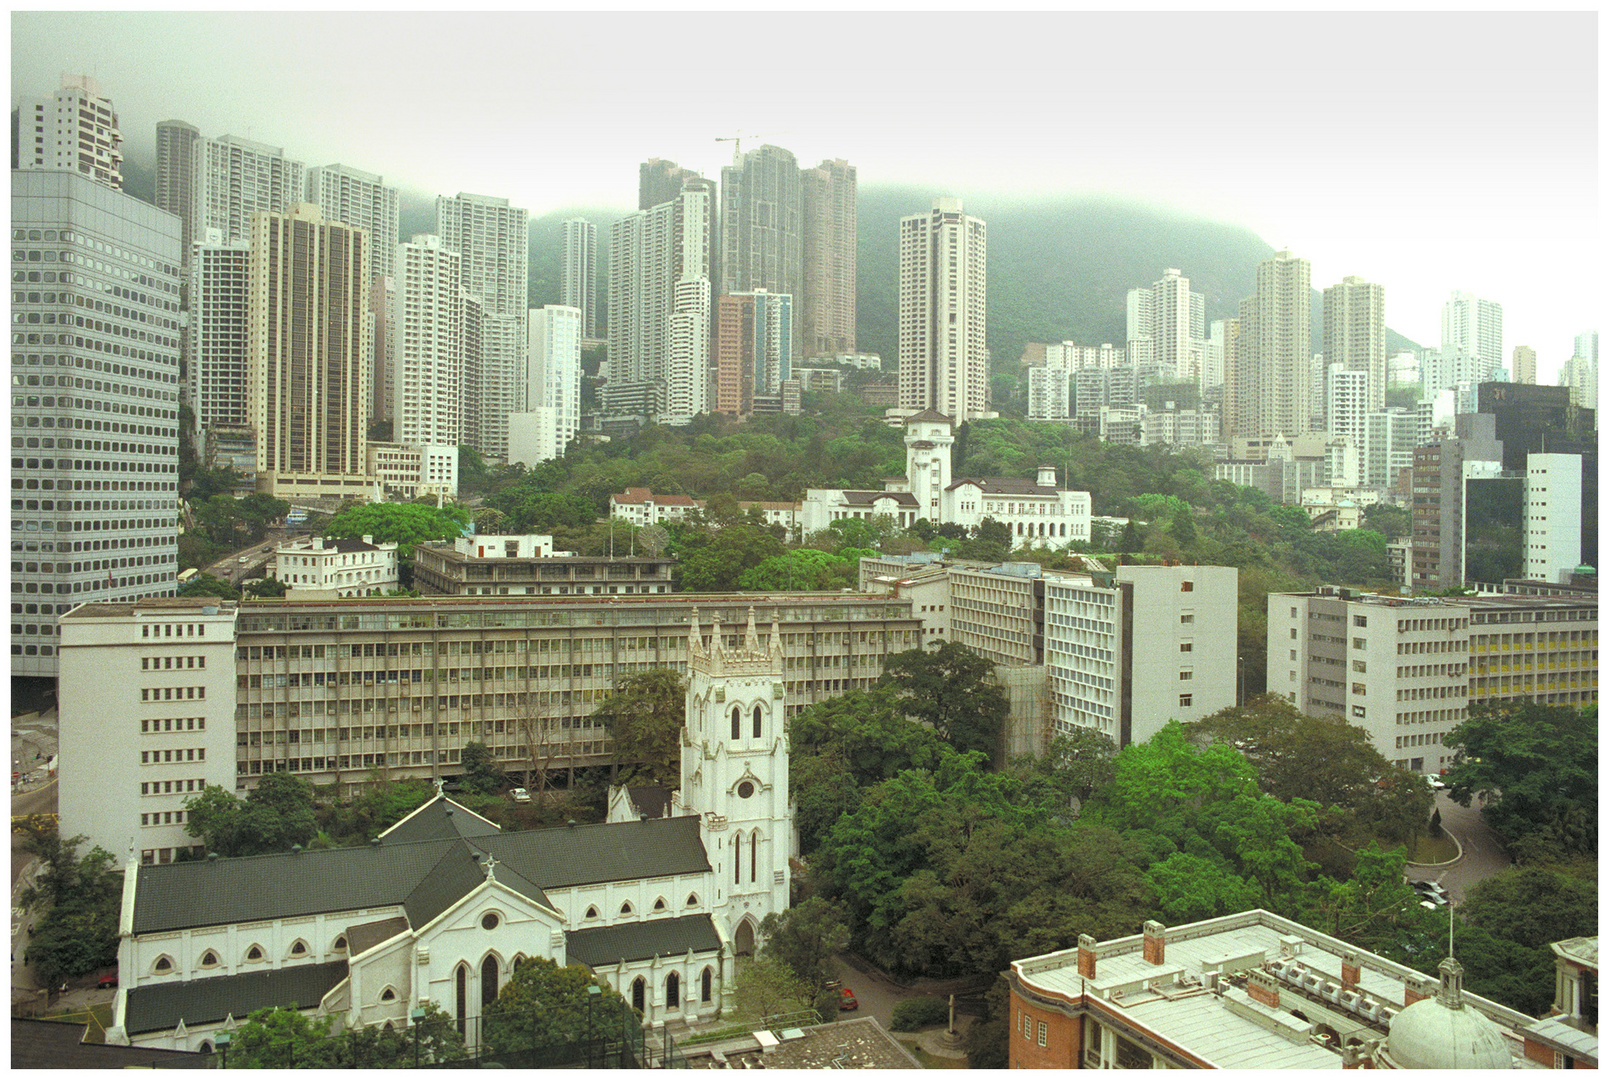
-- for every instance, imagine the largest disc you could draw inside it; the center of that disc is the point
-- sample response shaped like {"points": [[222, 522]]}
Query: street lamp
{"points": [[594, 992], [222, 1045]]}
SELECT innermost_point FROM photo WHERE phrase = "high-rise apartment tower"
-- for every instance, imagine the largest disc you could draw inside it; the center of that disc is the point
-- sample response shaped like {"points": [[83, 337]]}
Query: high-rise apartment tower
{"points": [[362, 199], [1354, 335], [74, 130], [943, 306], [579, 270], [1474, 326], [1274, 358], [175, 172], [427, 404], [826, 316]]}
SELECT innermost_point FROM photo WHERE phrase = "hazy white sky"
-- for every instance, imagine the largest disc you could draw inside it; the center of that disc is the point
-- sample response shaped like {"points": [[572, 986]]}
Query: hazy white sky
{"points": [[1427, 151]]}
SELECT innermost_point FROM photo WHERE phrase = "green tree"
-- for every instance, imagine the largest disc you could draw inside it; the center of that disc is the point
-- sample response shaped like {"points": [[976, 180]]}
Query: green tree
{"points": [[403, 524], [543, 1004], [285, 1038], [265, 589], [805, 937], [276, 815], [483, 774], [804, 569], [1190, 887], [207, 585], [1535, 767], [1533, 906], [77, 932], [1073, 766], [719, 562], [1183, 526], [767, 987], [953, 690], [644, 715]]}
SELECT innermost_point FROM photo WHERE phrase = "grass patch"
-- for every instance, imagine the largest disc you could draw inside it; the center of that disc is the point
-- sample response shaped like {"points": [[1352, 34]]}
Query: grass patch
{"points": [[1427, 850], [97, 1018]]}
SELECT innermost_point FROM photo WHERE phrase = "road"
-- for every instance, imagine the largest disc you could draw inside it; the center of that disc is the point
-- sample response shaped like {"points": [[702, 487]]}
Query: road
{"points": [[232, 570], [1483, 854]]}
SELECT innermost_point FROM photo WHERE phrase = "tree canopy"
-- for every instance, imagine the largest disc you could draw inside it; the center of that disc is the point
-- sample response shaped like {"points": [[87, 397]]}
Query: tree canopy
{"points": [[276, 815], [403, 524], [543, 1004], [1535, 767], [645, 714], [81, 896], [953, 690]]}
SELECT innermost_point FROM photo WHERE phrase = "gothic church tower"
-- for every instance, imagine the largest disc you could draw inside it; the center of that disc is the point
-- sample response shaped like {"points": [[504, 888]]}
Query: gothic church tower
{"points": [[735, 773]]}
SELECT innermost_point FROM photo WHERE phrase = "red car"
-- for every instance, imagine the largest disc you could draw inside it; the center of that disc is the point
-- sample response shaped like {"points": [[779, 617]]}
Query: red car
{"points": [[846, 1000], [106, 982]]}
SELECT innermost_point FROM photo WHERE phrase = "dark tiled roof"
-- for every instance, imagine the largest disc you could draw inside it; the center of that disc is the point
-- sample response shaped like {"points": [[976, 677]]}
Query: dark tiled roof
{"points": [[867, 498], [425, 877], [179, 895], [50, 1044], [650, 800], [642, 940], [362, 937], [206, 1001], [929, 414], [1003, 485], [438, 819], [587, 854]]}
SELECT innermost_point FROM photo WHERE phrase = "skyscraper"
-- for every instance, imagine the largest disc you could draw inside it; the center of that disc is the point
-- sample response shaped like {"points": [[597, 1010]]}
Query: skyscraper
{"points": [[652, 253], [826, 300], [761, 219], [1272, 395], [753, 348], [427, 404], [1524, 364], [175, 172], [215, 340], [1586, 345], [493, 239], [1474, 326], [1580, 374], [943, 307], [95, 468], [579, 268], [1354, 334], [1176, 329], [660, 181], [552, 411], [235, 179], [383, 356], [309, 338], [364, 200], [74, 130]]}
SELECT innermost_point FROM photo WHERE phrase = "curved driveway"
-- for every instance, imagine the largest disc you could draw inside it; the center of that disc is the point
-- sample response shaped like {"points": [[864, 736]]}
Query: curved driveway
{"points": [[1483, 855]]}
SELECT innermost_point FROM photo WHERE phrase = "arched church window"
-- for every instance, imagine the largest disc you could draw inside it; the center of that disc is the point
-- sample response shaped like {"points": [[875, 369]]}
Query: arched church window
{"points": [[638, 992], [706, 985], [754, 853], [737, 721], [756, 721], [737, 858], [673, 990]]}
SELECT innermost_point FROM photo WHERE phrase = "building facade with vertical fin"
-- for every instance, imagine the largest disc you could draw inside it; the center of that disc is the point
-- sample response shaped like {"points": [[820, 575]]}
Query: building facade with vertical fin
{"points": [[309, 337], [943, 308], [579, 271], [215, 339], [234, 179], [761, 218], [175, 172], [493, 239]]}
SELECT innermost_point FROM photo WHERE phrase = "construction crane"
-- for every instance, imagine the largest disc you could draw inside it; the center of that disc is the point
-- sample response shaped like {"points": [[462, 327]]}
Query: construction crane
{"points": [[737, 141]]}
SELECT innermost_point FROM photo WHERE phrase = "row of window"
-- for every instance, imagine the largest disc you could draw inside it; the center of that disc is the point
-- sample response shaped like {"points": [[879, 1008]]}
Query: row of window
{"points": [[173, 693], [162, 757], [183, 723]]}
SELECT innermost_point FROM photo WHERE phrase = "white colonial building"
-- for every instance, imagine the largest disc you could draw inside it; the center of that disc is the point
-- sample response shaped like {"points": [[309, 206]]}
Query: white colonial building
{"points": [[339, 566], [1036, 511], [443, 905]]}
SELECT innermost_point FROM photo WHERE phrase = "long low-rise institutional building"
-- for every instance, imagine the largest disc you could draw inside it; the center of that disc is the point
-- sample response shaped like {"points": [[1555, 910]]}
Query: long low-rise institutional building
{"points": [[1406, 669], [163, 696]]}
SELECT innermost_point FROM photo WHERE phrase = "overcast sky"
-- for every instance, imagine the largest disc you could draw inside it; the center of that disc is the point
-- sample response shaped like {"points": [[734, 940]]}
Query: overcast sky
{"points": [[1428, 152]]}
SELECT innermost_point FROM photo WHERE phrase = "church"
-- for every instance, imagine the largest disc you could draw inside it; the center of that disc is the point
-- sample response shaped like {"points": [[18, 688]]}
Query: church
{"points": [[1037, 512], [442, 906]]}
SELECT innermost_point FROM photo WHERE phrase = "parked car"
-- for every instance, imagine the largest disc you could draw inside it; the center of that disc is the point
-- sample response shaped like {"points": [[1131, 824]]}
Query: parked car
{"points": [[846, 999], [1437, 783], [107, 982], [519, 794]]}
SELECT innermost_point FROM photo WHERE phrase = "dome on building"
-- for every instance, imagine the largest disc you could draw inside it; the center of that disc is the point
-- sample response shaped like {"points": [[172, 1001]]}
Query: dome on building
{"points": [[1441, 1032]]}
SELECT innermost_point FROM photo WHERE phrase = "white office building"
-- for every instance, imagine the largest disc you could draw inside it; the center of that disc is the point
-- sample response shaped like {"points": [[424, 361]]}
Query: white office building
{"points": [[1473, 326], [94, 407], [943, 308], [233, 179], [579, 271], [215, 339], [687, 373], [427, 348], [1389, 437], [493, 240], [74, 130], [1127, 652], [136, 740], [364, 200], [1552, 516], [318, 567]]}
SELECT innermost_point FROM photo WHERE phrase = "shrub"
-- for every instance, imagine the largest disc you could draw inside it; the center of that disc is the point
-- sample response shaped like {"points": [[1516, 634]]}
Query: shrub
{"points": [[917, 1013]]}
